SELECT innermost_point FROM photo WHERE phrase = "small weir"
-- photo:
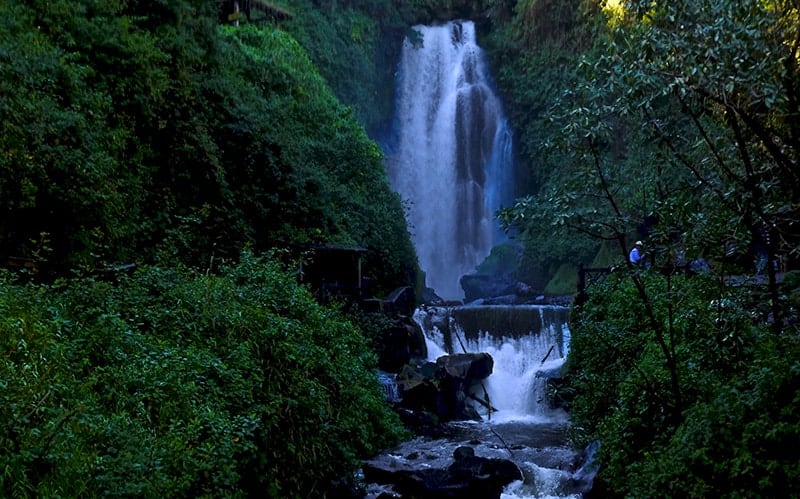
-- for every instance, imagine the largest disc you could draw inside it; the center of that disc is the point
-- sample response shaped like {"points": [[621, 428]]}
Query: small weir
{"points": [[529, 344]]}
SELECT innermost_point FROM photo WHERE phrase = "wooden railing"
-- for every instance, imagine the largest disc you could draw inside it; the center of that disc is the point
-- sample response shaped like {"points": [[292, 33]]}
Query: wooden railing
{"points": [[590, 275], [586, 277]]}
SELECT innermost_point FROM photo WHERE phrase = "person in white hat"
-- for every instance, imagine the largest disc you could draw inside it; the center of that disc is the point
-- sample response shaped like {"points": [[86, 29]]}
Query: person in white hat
{"points": [[635, 256]]}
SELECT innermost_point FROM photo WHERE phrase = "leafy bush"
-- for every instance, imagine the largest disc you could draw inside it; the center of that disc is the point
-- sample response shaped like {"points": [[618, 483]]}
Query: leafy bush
{"points": [[168, 383], [564, 282], [700, 402]]}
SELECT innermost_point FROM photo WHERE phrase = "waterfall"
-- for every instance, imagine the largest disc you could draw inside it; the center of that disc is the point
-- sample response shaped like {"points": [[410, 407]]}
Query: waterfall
{"points": [[528, 343], [452, 163], [389, 386]]}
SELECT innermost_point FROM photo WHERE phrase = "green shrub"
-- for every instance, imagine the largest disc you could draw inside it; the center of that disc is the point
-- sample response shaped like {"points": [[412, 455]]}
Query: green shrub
{"points": [[166, 383], [699, 402]]}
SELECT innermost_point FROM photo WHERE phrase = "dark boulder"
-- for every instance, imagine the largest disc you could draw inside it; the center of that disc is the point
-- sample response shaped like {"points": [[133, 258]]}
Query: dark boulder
{"points": [[478, 286], [402, 343], [469, 476], [467, 366], [445, 387]]}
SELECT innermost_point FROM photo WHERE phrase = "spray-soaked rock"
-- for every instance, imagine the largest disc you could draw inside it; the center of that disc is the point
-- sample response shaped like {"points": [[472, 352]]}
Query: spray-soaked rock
{"points": [[445, 387], [467, 476]]}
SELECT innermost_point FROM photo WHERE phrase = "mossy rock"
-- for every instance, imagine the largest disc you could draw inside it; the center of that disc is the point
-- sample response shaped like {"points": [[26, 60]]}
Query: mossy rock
{"points": [[564, 282], [503, 259], [606, 257]]}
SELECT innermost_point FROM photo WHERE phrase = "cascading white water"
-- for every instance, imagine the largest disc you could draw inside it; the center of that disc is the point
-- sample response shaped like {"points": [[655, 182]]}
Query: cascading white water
{"points": [[452, 163], [522, 359], [517, 387], [528, 343]]}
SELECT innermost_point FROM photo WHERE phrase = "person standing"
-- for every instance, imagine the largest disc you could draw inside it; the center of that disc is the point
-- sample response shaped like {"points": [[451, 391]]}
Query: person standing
{"points": [[636, 254]]}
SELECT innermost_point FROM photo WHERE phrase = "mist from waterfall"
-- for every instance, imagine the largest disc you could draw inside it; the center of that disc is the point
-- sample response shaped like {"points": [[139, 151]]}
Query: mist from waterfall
{"points": [[452, 163]]}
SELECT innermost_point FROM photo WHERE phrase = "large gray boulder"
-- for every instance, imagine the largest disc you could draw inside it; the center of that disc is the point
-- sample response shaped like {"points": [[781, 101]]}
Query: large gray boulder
{"points": [[477, 286]]}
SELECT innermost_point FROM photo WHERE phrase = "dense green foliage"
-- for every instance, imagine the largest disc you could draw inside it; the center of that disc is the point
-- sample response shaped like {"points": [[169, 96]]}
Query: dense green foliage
{"points": [[654, 134], [355, 44], [675, 123], [702, 403], [147, 133], [678, 127], [167, 383], [136, 131]]}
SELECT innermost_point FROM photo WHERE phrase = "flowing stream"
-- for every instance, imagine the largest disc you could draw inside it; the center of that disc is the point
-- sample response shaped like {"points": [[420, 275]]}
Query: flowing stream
{"points": [[529, 344]]}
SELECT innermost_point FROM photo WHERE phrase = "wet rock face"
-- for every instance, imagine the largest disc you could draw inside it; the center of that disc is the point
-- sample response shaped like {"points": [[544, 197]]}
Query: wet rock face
{"points": [[478, 286], [401, 344], [468, 367], [444, 388], [468, 477]]}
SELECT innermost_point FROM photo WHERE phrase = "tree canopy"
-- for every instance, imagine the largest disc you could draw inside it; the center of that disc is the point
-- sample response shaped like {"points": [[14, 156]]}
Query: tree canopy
{"points": [[682, 114], [171, 382], [679, 127]]}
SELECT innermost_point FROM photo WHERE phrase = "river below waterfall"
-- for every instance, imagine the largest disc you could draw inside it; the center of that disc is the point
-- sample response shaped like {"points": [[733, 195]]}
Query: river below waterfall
{"points": [[529, 344]]}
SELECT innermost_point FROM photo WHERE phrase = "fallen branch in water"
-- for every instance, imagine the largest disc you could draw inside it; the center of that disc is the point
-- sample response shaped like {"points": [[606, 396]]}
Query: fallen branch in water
{"points": [[548, 354]]}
